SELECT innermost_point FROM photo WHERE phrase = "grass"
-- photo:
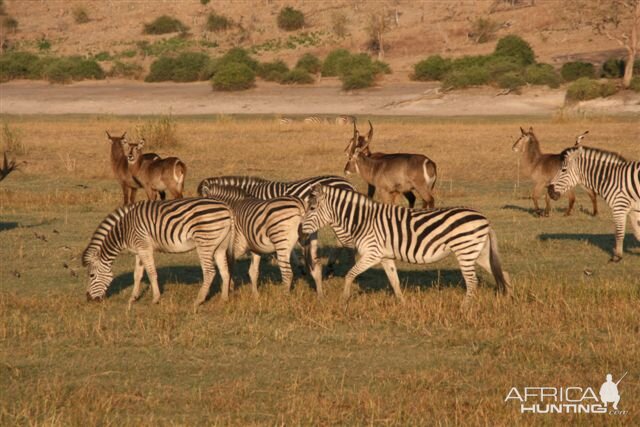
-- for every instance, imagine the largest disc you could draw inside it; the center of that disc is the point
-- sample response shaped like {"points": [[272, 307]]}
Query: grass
{"points": [[286, 359]]}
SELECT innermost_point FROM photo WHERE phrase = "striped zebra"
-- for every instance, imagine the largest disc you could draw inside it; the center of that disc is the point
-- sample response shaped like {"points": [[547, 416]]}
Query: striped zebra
{"points": [[264, 227], [285, 121], [345, 120], [313, 120], [611, 176], [173, 226], [382, 233]]}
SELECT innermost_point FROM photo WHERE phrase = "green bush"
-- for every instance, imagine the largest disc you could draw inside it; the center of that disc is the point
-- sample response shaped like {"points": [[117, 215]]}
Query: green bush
{"points": [[541, 74], [380, 67], [239, 55], [165, 24], [571, 71], [472, 76], [64, 70], [233, 76], [204, 2], [43, 44], [186, 67], [432, 68], [510, 80], [354, 61], [635, 84], [102, 56], [80, 15], [358, 78], [496, 66], [310, 63], [217, 22], [290, 19], [613, 68], [585, 88], [298, 76], [358, 71], [330, 63], [515, 47], [126, 70], [17, 65], [468, 61], [274, 71]]}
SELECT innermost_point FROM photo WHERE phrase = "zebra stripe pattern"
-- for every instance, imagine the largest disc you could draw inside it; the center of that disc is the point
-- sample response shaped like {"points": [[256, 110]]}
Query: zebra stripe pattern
{"points": [[285, 121], [345, 120], [173, 226], [264, 227], [611, 176], [313, 120], [383, 233]]}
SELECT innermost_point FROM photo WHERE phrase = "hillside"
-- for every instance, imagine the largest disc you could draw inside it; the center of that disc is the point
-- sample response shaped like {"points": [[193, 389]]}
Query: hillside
{"points": [[555, 31]]}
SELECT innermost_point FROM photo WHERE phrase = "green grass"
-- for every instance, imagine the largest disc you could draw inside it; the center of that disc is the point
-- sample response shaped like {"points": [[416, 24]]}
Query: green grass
{"points": [[287, 359]]}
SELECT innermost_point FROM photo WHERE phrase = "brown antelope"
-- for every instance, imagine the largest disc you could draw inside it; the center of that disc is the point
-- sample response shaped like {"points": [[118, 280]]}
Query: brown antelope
{"points": [[541, 168], [392, 174], [158, 175], [121, 168]]}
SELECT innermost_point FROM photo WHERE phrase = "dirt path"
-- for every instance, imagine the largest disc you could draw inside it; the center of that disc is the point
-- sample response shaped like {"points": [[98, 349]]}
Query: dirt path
{"points": [[412, 98]]}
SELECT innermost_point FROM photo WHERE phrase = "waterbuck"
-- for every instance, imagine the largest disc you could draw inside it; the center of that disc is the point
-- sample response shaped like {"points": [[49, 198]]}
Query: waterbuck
{"points": [[541, 168], [121, 168], [158, 175], [391, 174]]}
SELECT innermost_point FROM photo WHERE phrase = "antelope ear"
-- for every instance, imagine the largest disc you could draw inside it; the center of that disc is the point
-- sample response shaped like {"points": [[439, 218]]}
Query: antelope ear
{"points": [[108, 136], [141, 143], [522, 131], [530, 129], [124, 134]]}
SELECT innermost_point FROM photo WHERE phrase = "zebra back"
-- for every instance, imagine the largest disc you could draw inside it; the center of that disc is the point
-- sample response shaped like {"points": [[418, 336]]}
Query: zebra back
{"points": [[227, 193]]}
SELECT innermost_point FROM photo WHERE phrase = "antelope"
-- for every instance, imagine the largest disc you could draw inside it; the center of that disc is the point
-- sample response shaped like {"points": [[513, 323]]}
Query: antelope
{"points": [[392, 174], [541, 168], [158, 175], [121, 168]]}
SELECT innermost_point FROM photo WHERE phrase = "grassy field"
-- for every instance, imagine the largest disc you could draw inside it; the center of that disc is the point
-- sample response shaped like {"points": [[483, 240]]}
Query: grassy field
{"points": [[288, 359]]}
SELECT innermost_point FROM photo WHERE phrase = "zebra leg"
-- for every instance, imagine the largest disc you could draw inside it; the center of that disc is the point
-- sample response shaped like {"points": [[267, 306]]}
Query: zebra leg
{"points": [[392, 274], [467, 267], [634, 216], [254, 271], [362, 265], [620, 220], [146, 257], [571, 195], [315, 268], [535, 195], [594, 200], [284, 257], [208, 274], [220, 255], [138, 272], [411, 198]]}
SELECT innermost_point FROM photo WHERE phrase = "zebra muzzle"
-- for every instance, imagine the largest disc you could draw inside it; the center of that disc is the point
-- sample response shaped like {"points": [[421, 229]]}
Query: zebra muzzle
{"points": [[92, 299], [553, 193]]}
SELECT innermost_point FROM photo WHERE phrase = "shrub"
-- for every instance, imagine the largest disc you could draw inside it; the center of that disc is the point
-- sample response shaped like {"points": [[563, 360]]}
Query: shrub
{"points": [[585, 88], [17, 65], [635, 84], [204, 2], [102, 56], [159, 132], [380, 67], [571, 71], [44, 44], [239, 55], [613, 68], [541, 74], [161, 70], [10, 24], [471, 76], [126, 69], [432, 68], [165, 24], [80, 15], [290, 19], [298, 76], [64, 70], [233, 76], [273, 71], [510, 80], [339, 23], [515, 47], [310, 63], [330, 64], [186, 67], [358, 79], [217, 22], [499, 65], [469, 61], [483, 30]]}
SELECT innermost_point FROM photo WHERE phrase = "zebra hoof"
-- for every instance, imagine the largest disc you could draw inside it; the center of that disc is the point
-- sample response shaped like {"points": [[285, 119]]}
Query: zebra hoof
{"points": [[615, 258]]}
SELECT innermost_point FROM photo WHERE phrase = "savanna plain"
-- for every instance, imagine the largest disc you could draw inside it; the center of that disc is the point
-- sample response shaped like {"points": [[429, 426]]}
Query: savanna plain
{"points": [[288, 358]]}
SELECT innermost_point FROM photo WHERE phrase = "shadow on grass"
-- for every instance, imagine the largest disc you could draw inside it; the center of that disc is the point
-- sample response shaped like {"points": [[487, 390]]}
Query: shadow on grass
{"points": [[8, 225], [605, 242]]}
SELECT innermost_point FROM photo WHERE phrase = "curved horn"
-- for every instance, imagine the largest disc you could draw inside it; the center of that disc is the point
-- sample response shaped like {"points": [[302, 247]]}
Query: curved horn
{"points": [[580, 137], [370, 134]]}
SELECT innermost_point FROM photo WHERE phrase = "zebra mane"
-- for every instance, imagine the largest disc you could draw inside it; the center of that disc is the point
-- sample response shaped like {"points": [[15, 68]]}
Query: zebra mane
{"points": [[357, 197], [92, 252], [602, 155]]}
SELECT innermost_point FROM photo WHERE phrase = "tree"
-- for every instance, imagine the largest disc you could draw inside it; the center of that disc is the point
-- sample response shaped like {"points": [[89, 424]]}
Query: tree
{"points": [[619, 20]]}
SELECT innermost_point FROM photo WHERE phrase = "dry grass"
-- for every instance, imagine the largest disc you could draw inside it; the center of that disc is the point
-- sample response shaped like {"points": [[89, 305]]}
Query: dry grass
{"points": [[288, 359]]}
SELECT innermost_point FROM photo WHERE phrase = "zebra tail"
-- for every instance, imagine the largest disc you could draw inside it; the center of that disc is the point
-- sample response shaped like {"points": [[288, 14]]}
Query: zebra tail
{"points": [[501, 276]]}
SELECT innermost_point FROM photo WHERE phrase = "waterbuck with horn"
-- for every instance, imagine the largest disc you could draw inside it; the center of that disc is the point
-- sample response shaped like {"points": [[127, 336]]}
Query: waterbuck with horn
{"points": [[391, 174], [158, 175], [542, 167], [121, 168]]}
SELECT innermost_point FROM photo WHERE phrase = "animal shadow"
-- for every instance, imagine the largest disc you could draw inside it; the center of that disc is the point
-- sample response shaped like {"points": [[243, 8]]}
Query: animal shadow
{"points": [[8, 225], [186, 274], [605, 242]]}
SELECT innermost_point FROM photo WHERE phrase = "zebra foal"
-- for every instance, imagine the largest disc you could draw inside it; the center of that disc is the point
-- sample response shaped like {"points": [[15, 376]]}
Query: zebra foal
{"points": [[611, 176], [173, 226], [264, 227], [382, 233]]}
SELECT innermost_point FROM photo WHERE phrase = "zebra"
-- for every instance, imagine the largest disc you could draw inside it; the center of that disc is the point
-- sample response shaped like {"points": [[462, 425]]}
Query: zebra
{"points": [[382, 233], [285, 121], [265, 190], [177, 225], [313, 119], [345, 120], [263, 227], [611, 176]]}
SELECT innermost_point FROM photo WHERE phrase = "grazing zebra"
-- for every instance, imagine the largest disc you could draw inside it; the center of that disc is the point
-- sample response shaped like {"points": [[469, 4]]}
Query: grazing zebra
{"points": [[611, 176], [264, 227], [173, 226], [345, 120], [285, 121], [382, 233], [313, 119]]}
